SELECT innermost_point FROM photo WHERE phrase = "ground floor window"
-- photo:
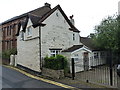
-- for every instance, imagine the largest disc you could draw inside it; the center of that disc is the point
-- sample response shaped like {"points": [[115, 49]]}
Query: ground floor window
{"points": [[55, 52]]}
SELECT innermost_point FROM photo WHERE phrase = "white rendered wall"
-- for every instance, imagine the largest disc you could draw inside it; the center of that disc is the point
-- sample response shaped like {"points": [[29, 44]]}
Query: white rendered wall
{"points": [[56, 34], [28, 50]]}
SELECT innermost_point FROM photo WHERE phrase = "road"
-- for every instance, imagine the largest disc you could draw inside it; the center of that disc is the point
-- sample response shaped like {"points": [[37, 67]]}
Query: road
{"points": [[14, 79]]}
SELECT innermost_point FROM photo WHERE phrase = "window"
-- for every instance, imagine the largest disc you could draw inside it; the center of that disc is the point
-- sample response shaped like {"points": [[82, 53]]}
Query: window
{"points": [[29, 31], [76, 57], [7, 31], [21, 35], [57, 14], [96, 55], [10, 30], [73, 37], [55, 52]]}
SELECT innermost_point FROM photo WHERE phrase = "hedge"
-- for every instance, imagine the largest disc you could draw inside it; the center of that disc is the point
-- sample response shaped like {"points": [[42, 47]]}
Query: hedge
{"points": [[57, 63]]}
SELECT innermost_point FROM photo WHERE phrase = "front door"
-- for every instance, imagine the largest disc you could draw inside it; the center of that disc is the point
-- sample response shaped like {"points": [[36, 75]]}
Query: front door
{"points": [[86, 61]]}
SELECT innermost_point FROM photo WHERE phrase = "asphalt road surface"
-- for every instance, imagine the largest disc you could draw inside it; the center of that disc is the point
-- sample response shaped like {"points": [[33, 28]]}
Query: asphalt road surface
{"points": [[14, 79]]}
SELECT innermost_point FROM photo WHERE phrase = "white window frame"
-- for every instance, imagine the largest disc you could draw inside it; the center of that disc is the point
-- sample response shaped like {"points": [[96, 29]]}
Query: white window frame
{"points": [[21, 35], [55, 52], [29, 31]]}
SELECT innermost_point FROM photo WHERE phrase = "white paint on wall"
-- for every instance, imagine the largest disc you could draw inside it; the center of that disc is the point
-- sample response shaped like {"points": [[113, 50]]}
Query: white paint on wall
{"points": [[28, 50], [56, 34]]}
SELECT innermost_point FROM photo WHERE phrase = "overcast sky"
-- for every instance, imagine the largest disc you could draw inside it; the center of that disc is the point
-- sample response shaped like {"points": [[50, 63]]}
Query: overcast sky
{"points": [[87, 13]]}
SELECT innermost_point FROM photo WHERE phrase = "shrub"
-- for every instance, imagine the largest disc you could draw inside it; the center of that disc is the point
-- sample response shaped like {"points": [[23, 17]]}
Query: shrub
{"points": [[56, 63], [6, 54]]}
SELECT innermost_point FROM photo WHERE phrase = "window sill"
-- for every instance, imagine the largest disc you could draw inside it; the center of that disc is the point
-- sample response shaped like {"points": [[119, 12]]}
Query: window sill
{"points": [[29, 36]]}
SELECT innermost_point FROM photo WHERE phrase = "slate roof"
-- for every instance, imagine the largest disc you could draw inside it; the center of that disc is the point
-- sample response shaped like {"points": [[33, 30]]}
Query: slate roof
{"points": [[89, 43], [73, 48], [73, 28], [39, 12], [39, 18]]}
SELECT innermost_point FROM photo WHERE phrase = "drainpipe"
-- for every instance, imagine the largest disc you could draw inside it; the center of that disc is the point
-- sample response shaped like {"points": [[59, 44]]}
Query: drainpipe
{"points": [[41, 25], [40, 47]]}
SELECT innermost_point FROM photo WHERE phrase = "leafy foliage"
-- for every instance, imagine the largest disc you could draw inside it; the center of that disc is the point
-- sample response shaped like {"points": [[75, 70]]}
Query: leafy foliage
{"points": [[6, 54], [107, 33], [56, 63]]}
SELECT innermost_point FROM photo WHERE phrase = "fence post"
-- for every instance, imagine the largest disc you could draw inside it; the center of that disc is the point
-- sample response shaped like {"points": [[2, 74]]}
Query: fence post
{"points": [[111, 72], [73, 68]]}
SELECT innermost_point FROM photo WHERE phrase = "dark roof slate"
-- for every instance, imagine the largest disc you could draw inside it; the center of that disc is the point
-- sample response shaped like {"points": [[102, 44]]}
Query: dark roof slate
{"points": [[73, 48], [38, 18], [39, 12], [89, 43]]}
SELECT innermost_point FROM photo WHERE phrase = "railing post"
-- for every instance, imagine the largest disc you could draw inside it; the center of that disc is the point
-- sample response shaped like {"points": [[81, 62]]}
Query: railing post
{"points": [[111, 72], [73, 68]]}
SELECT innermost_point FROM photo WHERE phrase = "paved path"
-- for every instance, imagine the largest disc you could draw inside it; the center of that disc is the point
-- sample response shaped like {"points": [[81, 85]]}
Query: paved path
{"points": [[14, 79]]}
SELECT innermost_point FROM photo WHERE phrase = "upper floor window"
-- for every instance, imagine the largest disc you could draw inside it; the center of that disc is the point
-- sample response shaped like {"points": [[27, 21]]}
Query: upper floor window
{"points": [[73, 37], [29, 31]]}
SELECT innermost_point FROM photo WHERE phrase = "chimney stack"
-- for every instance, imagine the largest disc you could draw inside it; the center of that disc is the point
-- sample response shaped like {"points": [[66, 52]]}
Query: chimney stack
{"points": [[47, 4], [72, 20]]}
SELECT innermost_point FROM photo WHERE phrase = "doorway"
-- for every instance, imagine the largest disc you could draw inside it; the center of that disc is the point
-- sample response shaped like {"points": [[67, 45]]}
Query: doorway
{"points": [[86, 61]]}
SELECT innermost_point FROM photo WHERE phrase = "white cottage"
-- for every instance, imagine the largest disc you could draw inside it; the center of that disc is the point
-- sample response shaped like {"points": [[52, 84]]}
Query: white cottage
{"points": [[49, 34]]}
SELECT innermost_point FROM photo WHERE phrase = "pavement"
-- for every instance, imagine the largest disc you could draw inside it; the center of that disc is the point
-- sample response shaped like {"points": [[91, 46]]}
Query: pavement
{"points": [[64, 82]]}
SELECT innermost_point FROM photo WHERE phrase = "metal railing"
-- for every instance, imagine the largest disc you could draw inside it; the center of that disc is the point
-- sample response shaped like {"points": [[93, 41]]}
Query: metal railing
{"points": [[97, 72]]}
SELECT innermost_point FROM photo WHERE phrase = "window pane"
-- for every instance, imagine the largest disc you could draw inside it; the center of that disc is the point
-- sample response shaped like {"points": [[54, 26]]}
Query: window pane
{"points": [[56, 52], [29, 31], [52, 51], [95, 55], [73, 36]]}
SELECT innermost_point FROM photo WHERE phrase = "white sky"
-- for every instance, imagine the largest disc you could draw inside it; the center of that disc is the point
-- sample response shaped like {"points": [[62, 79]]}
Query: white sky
{"points": [[87, 13]]}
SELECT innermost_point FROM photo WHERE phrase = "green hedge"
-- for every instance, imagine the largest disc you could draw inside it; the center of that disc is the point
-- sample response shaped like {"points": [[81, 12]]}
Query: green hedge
{"points": [[57, 63]]}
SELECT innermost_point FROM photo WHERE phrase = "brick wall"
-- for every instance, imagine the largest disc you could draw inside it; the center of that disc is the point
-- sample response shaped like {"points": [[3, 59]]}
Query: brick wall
{"points": [[9, 39]]}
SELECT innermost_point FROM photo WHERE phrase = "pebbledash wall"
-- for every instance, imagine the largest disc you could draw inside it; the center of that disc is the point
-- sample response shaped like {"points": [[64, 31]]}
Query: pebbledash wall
{"points": [[55, 34]]}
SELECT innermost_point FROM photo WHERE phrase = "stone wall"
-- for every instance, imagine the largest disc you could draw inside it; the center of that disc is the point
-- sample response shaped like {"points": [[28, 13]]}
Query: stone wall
{"points": [[53, 73]]}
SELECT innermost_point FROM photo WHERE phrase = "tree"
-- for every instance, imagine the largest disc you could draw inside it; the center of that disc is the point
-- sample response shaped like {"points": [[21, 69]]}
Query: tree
{"points": [[107, 33]]}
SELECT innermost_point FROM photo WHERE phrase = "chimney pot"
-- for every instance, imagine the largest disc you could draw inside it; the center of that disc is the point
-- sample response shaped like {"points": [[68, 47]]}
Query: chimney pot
{"points": [[72, 20], [47, 4]]}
